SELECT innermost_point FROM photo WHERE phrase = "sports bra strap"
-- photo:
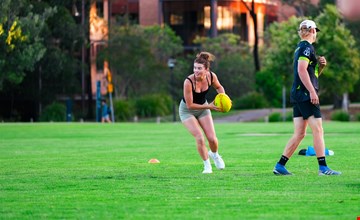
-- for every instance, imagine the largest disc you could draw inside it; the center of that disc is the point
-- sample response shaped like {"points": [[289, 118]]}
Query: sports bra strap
{"points": [[191, 83], [211, 80]]}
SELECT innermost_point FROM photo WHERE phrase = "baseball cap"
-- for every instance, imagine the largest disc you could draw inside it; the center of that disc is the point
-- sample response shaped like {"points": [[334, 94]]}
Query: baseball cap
{"points": [[309, 24]]}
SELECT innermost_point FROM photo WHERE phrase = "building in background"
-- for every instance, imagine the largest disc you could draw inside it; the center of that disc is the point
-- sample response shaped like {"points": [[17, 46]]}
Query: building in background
{"points": [[188, 18]]}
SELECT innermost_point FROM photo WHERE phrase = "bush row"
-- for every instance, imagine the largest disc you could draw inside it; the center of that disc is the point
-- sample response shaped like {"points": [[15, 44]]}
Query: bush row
{"points": [[154, 105], [146, 106], [338, 115]]}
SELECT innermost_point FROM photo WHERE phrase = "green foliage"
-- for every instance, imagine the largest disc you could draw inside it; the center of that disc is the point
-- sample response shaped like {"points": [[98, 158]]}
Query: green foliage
{"points": [[234, 62], [138, 58], [54, 112], [64, 39], [277, 68], [339, 47], [252, 100], [279, 55], [236, 74], [340, 115], [164, 43], [354, 96], [124, 110], [278, 117], [355, 31], [357, 117], [153, 105], [289, 116], [335, 42], [269, 84], [224, 44], [21, 45], [183, 68], [275, 117], [56, 69]]}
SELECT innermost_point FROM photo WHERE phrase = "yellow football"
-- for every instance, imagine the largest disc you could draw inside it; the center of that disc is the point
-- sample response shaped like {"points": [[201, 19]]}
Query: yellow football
{"points": [[223, 102]]}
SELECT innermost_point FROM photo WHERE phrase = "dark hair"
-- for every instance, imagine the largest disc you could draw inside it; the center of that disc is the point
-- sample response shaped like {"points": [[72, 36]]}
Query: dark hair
{"points": [[204, 58]]}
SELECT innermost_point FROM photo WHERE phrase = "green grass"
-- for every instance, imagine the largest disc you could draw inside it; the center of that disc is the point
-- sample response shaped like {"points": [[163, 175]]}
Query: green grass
{"points": [[100, 171]]}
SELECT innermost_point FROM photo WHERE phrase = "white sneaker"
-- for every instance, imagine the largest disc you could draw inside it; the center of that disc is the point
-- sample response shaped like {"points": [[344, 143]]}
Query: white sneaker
{"points": [[207, 167], [219, 162]]}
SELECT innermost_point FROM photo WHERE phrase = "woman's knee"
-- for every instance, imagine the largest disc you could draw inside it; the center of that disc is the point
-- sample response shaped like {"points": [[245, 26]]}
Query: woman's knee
{"points": [[212, 140], [199, 139]]}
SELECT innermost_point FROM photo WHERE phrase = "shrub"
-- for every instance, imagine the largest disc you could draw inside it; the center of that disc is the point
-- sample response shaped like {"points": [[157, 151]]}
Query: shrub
{"points": [[340, 116], [278, 116], [252, 100], [357, 117], [269, 84], [275, 117], [289, 116], [153, 105], [54, 112], [124, 110]]}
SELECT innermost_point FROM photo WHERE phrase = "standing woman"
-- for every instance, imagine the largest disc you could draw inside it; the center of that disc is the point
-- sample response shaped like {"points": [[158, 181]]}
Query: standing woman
{"points": [[305, 99], [194, 110]]}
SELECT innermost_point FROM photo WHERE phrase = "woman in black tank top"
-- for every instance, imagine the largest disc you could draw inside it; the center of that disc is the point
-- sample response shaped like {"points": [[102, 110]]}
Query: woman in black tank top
{"points": [[195, 112]]}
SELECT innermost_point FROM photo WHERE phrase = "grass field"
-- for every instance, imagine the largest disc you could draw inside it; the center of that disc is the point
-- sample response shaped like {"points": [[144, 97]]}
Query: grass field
{"points": [[101, 171]]}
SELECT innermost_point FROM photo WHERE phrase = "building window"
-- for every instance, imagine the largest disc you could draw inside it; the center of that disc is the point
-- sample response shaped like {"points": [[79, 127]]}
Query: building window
{"points": [[225, 19], [176, 19]]}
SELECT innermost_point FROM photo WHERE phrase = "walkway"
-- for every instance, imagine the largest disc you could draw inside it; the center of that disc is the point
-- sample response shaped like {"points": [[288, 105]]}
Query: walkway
{"points": [[251, 115]]}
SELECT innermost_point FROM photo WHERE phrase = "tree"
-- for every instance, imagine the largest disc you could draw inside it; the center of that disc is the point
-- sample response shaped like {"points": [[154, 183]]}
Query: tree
{"points": [[355, 31], [138, 58], [277, 69], [256, 36], [233, 62], [335, 42], [63, 42], [343, 56], [21, 45], [57, 72]]}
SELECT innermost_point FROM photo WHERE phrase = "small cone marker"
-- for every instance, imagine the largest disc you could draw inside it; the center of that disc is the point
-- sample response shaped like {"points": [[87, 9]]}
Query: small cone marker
{"points": [[154, 160]]}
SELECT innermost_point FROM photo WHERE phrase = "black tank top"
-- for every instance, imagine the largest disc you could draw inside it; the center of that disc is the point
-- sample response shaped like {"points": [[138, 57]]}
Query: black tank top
{"points": [[200, 97]]}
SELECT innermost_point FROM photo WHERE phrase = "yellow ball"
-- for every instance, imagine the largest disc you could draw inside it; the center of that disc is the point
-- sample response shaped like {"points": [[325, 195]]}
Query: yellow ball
{"points": [[223, 102]]}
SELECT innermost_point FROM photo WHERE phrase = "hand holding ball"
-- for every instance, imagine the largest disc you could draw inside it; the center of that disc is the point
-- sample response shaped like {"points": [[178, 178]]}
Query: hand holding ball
{"points": [[223, 102]]}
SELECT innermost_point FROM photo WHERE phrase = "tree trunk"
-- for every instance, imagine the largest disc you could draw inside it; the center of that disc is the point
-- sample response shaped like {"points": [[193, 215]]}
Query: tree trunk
{"points": [[213, 9], [342, 102], [284, 103], [256, 44], [256, 40], [345, 102]]}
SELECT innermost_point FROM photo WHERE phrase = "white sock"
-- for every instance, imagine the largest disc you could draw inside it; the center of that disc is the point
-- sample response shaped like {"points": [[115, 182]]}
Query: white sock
{"points": [[207, 163], [216, 154]]}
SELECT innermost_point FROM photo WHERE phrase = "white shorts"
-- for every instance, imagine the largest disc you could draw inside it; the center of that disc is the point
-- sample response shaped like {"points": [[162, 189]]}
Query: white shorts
{"points": [[186, 113]]}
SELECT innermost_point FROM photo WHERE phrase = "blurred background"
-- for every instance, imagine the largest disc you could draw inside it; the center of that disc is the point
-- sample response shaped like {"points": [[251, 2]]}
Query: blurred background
{"points": [[59, 58]]}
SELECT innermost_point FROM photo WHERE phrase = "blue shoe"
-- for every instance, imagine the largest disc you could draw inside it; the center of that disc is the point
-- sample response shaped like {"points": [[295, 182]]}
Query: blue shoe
{"points": [[280, 170], [324, 170]]}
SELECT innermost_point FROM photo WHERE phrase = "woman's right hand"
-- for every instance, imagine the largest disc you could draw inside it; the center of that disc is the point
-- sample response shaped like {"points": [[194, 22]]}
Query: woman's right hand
{"points": [[213, 107]]}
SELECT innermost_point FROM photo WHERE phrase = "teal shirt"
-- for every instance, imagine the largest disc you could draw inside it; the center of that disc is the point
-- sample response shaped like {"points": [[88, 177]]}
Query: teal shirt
{"points": [[105, 110]]}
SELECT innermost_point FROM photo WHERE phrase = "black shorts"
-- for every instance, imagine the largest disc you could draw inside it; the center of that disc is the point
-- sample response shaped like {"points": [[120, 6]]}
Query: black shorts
{"points": [[306, 109]]}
